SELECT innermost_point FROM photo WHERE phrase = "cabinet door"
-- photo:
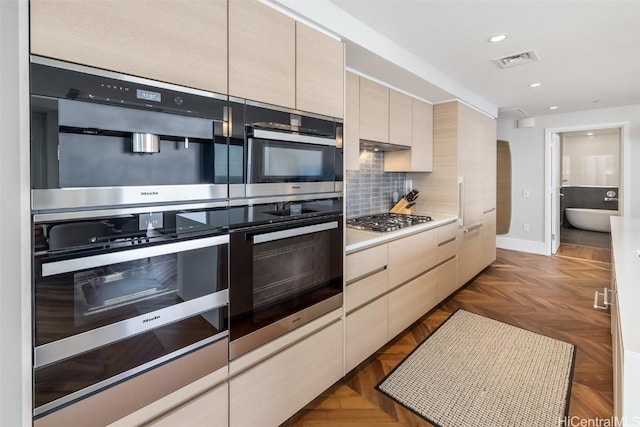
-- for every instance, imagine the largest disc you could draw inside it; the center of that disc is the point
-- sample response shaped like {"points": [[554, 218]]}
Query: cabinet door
{"points": [[447, 278], [400, 118], [422, 149], [272, 391], [319, 72], [488, 235], [210, 408], [412, 256], [470, 247], [374, 111], [262, 52], [364, 262], [351, 142], [470, 162], [366, 332], [365, 290], [409, 302], [181, 42]]}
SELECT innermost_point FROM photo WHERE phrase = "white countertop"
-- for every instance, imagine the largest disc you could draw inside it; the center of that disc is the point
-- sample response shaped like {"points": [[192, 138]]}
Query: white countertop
{"points": [[625, 236], [361, 239]]}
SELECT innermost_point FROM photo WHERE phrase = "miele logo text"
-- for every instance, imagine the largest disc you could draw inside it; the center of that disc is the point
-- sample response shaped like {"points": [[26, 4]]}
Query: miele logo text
{"points": [[150, 319], [148, 193]]}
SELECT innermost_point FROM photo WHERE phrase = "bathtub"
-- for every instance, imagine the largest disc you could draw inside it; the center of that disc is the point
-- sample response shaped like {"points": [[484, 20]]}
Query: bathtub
{"points": [[590, 219]]}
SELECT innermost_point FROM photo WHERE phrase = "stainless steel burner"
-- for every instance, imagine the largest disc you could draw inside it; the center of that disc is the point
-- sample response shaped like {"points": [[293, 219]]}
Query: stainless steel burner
{"points": [[386, 222]]}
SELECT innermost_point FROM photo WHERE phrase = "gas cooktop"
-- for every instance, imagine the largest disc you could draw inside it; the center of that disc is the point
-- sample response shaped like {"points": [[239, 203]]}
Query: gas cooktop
{"points": [[386, 222]]}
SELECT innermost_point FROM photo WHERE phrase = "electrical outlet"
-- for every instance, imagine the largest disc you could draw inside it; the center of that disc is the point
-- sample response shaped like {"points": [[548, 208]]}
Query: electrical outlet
{"points": [[525, 193], [525, 227]]}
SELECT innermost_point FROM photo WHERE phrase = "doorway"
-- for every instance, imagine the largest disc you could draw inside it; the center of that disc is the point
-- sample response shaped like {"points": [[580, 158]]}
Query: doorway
{"points": [[586, 185]]}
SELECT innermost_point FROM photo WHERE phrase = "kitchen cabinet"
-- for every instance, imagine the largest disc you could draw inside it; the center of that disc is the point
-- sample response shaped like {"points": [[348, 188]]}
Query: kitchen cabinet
{"points": [[262, 53], [488, 237], [319, 72], [411, 256], [180, 42], [210, 408], [447, 278], [270, 392], [351, 137], [420, 157], [409, 302], [374, 111], [400, 118], [366, 332]]}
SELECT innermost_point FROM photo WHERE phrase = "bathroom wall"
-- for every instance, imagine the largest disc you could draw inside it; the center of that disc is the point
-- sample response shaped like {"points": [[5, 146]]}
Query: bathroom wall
{"points": [[591, 160], [369, 190]]}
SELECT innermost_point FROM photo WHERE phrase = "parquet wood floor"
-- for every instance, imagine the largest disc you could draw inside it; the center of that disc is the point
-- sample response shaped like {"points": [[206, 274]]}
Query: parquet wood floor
{"points": [[548, 295]]}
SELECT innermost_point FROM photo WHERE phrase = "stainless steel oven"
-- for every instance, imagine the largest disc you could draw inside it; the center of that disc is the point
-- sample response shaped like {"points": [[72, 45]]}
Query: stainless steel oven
{"points": [[286, 270], [102, 139], [118, 294], [280, 152]]}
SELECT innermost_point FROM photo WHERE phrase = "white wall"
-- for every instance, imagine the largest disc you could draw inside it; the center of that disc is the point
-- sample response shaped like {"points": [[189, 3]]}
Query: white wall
{"points": [[528, 168], [591, 160], [15, 292]]}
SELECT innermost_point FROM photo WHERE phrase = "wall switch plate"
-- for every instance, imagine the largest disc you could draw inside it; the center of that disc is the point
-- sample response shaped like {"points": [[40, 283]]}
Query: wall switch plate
{"points": [[525, 193], [525, 227]]}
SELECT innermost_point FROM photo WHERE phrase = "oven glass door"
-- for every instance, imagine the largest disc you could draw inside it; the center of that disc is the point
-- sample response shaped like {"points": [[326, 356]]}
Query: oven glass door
{"points": [[280, 270]]}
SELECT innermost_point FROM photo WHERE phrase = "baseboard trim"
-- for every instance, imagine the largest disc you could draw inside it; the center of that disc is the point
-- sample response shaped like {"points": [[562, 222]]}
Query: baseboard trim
{"points": [[520, 245]]}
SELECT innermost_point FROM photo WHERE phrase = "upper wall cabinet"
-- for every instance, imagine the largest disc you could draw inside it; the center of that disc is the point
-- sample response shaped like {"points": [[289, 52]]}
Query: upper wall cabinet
{"points": [[319, 72], [400, 118], [180, 42], [420, 157], [262, 53], [374, 111]]}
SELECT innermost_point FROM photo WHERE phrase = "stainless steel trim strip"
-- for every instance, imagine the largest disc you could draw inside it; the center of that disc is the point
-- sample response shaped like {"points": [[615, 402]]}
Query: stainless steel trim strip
{"points": [[125, 77], [292, 137], [293, 232], [446, 241], [221, 351], [284, 109], [101, 213], [472, 228], [76, 264], [284, 198], [289, 188], [65, 348], [89, 197], [365, 275], [262, 336], [488, 211]]}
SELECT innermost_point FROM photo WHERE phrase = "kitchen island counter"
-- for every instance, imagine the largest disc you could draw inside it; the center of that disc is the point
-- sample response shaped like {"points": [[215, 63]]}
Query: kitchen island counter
{"points": [[360, 239]]}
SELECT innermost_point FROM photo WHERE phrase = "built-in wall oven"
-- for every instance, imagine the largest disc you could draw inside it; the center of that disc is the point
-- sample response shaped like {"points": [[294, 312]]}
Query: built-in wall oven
{"points": [[105, 139], [286, 270], [119, 293], [279, 152]]}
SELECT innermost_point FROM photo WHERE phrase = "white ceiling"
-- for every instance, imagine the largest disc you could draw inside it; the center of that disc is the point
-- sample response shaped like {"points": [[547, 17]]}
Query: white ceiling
{"points": [[589, 50]]}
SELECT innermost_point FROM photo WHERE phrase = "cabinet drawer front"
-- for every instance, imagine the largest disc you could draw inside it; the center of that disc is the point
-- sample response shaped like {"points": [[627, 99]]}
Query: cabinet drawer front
{"points": [[361, 263], [210, 408], [447, 278], [447, 232], [365, 290], [272, 391], [366, 332], [409, 302], [447, 250], [411, 256]]}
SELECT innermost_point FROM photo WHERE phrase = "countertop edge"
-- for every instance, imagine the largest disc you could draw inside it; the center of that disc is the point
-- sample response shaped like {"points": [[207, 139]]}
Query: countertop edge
{"points": [[381, 238]]}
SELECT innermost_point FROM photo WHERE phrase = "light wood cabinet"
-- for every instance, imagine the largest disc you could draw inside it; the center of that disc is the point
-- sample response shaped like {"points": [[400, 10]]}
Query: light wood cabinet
{"points": [[447, 278], [411, 256], [488, 237], [410, 301], [365, 290], [374, 111], [362, 263], [400, 118], [272, 391], [366, 332], [351, 141], [210, 408], [180, 42], [319, 72], [420, 157], [262, 53]]}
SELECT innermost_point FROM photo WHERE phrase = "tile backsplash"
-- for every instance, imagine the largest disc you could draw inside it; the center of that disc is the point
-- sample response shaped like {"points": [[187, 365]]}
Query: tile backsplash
{"points": [[370, 190]]}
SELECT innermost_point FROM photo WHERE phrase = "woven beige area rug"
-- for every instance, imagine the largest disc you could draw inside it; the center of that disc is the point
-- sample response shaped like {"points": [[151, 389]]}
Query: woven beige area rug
{"points": [[478, 372]]}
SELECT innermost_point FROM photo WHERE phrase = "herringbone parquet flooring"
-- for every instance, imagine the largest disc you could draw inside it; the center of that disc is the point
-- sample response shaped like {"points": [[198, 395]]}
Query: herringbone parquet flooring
{"points": [[549, 295]]}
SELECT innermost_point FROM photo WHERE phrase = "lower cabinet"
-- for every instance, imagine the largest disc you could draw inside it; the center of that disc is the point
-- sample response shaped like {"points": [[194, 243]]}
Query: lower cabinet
{"points": [[410, 301], [210, 408], [272, 391], [488, 236], [447, 278], [366, 332]]}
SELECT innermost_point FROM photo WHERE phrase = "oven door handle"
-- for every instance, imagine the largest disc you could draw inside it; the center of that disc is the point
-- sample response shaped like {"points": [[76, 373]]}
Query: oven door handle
{"points": [[300, 231], [77, 264]]}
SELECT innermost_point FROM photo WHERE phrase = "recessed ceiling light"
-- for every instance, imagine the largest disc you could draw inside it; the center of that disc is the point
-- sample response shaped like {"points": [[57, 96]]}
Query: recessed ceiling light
{"points": [[555, 107], [535, 85], [498, 38]]}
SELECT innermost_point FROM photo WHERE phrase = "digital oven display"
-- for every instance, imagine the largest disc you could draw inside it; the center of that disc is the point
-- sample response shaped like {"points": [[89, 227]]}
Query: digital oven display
{"points": [[148, 95]]}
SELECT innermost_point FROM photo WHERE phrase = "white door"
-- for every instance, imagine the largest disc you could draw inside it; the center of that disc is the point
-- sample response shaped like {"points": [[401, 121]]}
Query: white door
{"points": [[556, 161]]}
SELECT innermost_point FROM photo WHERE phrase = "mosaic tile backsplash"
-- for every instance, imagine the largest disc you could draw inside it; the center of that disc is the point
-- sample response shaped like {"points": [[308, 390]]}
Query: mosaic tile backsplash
{"points": [[370, 189]]}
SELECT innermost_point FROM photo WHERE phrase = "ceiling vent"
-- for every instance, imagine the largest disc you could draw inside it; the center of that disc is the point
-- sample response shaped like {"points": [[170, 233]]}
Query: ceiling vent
{"points": [[517, 59]]}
